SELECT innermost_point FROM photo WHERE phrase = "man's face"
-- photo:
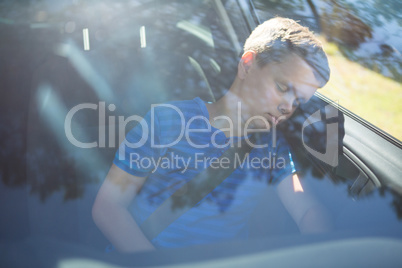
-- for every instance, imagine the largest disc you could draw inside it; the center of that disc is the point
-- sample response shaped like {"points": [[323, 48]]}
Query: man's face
{"points": [[276, 90]]}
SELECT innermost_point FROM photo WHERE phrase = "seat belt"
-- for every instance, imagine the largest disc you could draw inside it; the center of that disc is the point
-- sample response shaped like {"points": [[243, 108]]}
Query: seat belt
{"points": [[193, 191]]}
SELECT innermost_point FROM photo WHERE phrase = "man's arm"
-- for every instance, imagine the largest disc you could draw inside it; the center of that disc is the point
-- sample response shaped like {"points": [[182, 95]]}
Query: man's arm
{"points": [[111, 215], [309, 215]]}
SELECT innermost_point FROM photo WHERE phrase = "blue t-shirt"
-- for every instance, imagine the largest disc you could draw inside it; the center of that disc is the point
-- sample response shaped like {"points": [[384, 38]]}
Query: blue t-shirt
{"points": [[172, 144]]}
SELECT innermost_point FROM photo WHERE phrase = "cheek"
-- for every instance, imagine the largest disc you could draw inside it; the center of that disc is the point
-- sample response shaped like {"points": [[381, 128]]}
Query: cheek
{"points": [[309, 92], [272, 97], [264, 99]]}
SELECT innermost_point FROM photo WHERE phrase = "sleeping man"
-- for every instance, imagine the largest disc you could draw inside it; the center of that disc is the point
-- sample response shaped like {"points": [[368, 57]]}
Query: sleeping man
{"points": [[160, 161]]}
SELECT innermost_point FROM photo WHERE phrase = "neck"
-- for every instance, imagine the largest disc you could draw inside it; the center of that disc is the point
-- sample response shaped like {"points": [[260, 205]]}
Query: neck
{"points": [[225, 114]]}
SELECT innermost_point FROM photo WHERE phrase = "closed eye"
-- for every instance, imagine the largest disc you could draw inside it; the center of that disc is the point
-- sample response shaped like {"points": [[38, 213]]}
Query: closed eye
{"points": [[282, 88]]}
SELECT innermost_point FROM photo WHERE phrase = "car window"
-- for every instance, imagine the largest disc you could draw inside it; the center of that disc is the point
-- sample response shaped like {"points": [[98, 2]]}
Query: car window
{"points": [[350, 32], [363, 45], [78, 77]]}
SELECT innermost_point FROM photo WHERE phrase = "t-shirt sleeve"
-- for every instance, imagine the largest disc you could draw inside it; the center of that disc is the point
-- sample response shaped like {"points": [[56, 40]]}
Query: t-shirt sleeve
{"points": [[138, 153], [284, 164]]}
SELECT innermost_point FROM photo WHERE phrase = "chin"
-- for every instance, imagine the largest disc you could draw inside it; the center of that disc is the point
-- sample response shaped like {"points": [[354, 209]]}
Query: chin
{"points": [[262, 126]]}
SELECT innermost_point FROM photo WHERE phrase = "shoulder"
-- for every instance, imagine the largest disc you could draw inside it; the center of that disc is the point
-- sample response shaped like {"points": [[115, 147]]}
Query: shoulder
{"points": [[184, 108], [176, 113]]}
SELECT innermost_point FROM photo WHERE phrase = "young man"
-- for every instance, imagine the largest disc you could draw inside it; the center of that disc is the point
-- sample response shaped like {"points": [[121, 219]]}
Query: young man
{"points": [[282, 66]]}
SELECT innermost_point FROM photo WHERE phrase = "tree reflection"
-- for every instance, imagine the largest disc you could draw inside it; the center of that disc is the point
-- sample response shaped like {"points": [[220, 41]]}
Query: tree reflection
{"points": [[341, 26], [350, 24]]}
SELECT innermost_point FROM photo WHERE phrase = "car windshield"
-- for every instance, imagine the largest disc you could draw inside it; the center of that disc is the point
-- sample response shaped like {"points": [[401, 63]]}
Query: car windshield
{"points": [[79, 79]]}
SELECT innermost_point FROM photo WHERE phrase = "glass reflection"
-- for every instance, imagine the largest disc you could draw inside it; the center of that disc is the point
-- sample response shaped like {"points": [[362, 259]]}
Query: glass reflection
{"points": [[189, 52]]}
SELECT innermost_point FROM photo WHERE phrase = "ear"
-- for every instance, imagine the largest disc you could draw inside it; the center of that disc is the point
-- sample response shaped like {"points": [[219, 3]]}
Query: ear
{"points": [[245, 63]]}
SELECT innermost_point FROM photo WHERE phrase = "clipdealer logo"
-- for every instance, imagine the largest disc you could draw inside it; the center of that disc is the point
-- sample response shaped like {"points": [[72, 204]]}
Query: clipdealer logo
{"points": [[330, 156], [147, 131]]}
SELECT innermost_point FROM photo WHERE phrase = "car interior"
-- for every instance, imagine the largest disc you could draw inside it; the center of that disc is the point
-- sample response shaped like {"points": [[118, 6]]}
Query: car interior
{"points": [[153, 52]]}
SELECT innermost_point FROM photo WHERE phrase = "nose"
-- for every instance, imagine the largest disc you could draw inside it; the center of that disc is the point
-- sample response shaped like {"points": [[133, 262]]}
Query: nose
{"points": [[284, 110], [286, 107]]}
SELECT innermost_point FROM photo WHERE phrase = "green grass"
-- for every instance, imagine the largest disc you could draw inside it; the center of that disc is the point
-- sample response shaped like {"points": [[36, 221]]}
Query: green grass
{"points": [[368, 94]]}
